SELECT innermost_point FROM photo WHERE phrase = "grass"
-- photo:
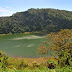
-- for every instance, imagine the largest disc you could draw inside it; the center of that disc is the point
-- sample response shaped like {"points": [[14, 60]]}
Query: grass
{"points": [[42, 69]]}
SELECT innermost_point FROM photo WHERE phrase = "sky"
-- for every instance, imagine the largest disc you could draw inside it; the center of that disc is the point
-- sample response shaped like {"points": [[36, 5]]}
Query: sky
{"points": [[9, 7]]}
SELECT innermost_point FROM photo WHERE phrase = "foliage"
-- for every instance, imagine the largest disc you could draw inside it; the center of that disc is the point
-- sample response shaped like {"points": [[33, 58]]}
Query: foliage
{"points": [[35, 64], [51, 64], [22, 64], [61, 43], [23, 67], [42, 69], [3, 60], [42, 49], [36, 20]]}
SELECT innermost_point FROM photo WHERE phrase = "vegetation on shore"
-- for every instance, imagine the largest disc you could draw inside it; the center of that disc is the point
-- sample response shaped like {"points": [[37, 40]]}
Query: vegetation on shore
{"points": [[60, 42], [9, 64], [36, 20]]}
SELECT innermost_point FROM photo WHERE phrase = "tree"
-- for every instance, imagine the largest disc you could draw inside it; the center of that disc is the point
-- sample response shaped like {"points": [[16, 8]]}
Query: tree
{"points": [[36, 20], [61, 43]]}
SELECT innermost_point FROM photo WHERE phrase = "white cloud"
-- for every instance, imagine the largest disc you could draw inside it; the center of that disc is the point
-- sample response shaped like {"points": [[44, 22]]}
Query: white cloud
{"points": [[6, 11], [3, 9], [7, 7]]}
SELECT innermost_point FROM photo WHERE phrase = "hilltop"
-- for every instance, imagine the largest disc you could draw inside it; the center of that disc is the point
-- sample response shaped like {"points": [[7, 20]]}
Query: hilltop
{"points": [[36, 20]]}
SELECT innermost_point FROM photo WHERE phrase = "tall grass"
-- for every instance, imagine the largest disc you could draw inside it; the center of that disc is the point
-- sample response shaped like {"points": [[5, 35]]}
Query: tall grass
{"points": [[43, 69]]}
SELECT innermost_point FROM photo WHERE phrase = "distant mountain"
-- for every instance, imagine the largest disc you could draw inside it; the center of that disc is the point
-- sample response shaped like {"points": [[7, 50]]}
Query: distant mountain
{"points": [[32, 20]]}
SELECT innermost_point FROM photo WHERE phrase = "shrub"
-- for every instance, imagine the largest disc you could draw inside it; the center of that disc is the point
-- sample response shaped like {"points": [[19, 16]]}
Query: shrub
{"points": [[35, 64], [22, 64], [51, 64], [3, 60]]}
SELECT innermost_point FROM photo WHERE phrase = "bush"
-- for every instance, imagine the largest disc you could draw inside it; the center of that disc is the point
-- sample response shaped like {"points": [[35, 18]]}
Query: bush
{"points": [[3, 60], [51, 64], [35, 64], [22, 64]]}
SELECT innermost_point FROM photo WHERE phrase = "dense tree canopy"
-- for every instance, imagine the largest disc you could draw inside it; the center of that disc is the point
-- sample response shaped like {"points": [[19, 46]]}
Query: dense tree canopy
{"points": [[32, 20], [61, 43]]}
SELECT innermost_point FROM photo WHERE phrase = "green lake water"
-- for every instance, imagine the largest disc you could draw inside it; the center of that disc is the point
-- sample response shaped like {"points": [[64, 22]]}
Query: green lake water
{"points": [[21, 45]]}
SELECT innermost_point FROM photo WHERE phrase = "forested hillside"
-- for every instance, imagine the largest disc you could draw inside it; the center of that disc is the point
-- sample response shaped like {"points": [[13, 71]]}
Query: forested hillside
{"points": [[32, 20]]}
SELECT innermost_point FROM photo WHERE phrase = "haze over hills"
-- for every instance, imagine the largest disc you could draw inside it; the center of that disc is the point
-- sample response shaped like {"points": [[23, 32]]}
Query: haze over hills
{"points": [[40, 20]]}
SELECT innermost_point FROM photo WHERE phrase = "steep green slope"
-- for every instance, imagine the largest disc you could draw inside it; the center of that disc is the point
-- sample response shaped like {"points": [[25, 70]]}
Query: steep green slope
{"points": [[32, 20]]}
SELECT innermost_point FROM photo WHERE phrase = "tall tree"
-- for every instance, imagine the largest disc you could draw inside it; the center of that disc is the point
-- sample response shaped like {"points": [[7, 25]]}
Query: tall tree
{"points": [[61, 43]]}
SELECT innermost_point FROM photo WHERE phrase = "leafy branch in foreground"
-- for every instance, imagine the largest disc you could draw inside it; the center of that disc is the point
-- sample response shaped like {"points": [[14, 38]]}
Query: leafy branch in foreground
{"points": [[61, 44]]}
